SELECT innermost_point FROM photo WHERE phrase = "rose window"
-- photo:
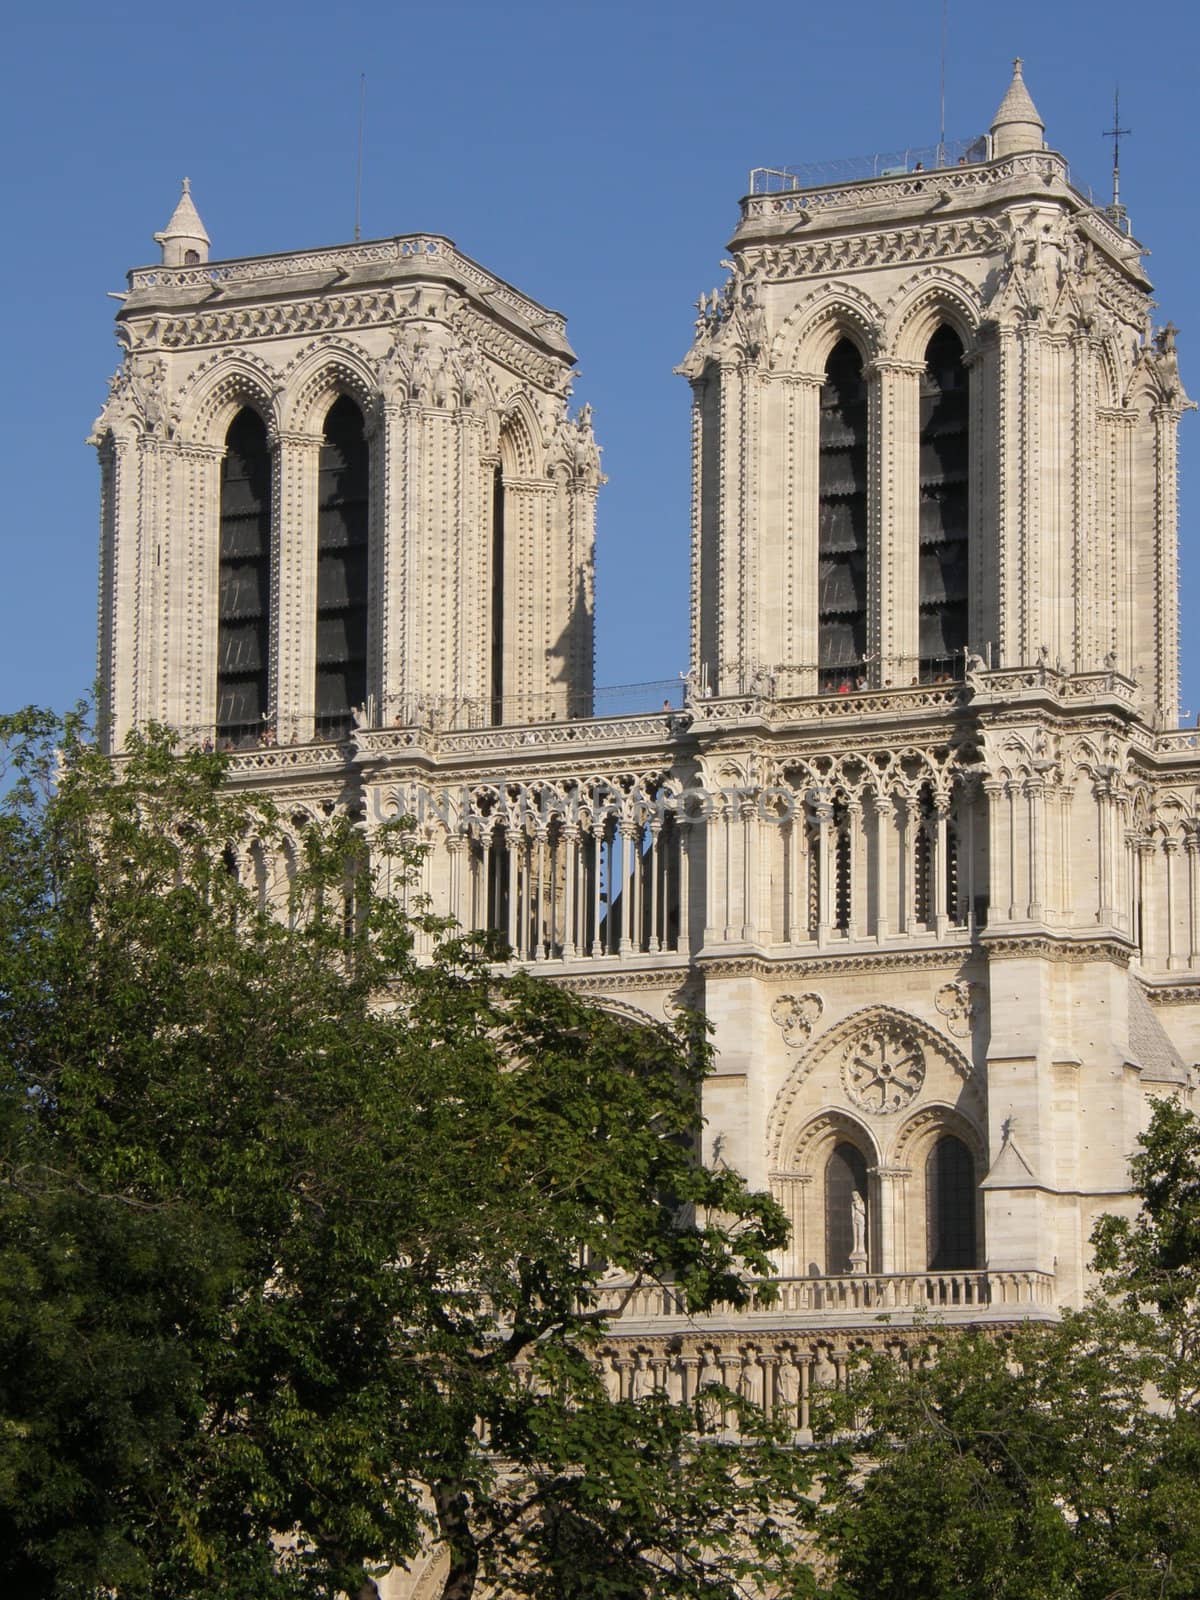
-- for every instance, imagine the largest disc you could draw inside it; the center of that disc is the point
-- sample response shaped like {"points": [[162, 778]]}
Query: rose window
{"points": [[883, 1070]]}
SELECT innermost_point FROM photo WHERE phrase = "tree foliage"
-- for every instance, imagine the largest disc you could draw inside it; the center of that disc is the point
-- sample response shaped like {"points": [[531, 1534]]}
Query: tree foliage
{"points": [[1061, 1462], [299, 1234]]}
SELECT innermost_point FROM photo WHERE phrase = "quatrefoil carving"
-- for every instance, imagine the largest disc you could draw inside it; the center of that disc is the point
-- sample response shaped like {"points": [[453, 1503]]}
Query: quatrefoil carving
{"points": [[796, 1015]]}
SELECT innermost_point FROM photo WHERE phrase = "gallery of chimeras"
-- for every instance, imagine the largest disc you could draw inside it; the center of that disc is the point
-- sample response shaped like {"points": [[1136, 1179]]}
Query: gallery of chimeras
{"points": [[916, 828]]}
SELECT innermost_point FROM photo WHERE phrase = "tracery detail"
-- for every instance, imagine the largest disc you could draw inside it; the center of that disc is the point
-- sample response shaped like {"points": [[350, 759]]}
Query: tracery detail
{"points": [[883, 1069]]}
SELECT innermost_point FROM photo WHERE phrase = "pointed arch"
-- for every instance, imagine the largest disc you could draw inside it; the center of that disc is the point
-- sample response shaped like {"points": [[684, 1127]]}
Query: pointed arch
{"points": [[213, 397], [832, 313], [785, 1117], [922, 304], [322, 373], [519, 441]]}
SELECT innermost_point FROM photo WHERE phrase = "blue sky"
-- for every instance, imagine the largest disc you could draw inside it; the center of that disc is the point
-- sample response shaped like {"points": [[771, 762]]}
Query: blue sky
{"points": [[593, 154]]}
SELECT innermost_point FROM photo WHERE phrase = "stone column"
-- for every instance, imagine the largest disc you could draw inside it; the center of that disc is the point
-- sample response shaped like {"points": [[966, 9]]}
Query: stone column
{"points": [[454, 844], [825, 900], [635, 879], [1166, 565], [539, 849], [655, 944], [1037, 862], [908, 899], [599, 826], [1143, 856], [622, 846], [294, 586], [1029, 586], [747, 810], [1104, 853], [193, 589], [890, 1236], [940, 869], [802, 468], [684, 836], [570, 844], [893, 500], [968, 793], [789, 1189], [482, 908], [857, 876], [512, 850], [1170, 851], [884, 815], [389, 459]]}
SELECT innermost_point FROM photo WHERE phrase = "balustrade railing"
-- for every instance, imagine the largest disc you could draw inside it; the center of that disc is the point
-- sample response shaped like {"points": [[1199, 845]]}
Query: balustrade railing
{"points": [[964, 1292]]}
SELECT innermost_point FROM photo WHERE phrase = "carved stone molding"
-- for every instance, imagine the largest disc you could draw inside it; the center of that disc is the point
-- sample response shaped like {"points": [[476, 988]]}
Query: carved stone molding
{"points": [[938, 956], [1173, 994], [1024, 947]]}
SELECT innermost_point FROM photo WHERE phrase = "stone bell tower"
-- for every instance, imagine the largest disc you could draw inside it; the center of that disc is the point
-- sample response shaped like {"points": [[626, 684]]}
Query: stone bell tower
{"points": [[340, 485], [930, 421]]}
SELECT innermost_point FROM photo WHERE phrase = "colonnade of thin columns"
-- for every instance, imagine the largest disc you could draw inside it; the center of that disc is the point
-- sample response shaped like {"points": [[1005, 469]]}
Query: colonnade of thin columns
{"points": [[1162, 874], [560, 890], [831, 868]]}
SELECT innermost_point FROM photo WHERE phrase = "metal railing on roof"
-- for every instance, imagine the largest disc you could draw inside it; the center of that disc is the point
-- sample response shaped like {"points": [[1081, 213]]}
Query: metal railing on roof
{"points": [[884, 164]]}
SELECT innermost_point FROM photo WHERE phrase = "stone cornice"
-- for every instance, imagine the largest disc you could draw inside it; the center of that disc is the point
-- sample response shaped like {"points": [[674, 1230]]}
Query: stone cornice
{"points": [[404, 256], [1057, 948], [672, 973], [825, 964], [1172, 994]]}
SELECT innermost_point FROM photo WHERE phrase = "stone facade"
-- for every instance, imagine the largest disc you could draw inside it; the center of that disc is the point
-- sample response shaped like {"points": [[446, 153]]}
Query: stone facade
{"points": [[944, 915]]}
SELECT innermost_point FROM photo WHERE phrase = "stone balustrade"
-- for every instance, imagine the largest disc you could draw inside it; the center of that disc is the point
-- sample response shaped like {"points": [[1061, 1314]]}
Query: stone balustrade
{"points": [[950, 1295]]}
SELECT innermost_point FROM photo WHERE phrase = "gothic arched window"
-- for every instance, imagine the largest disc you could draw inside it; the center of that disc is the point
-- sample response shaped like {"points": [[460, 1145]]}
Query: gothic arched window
{"points": [[842, 520], [244, 603], [341, 570], [945, 424], [950, 1205], [845, 1177]]}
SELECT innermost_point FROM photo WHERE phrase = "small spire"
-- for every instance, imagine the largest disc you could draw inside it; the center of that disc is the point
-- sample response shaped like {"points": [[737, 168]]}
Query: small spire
{"points": [[184, 240], [1017, 125]]}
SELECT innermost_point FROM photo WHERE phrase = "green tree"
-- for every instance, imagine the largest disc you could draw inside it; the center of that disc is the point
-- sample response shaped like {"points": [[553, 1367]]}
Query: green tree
{"points": [[299, 1234], [1059, 1463]]}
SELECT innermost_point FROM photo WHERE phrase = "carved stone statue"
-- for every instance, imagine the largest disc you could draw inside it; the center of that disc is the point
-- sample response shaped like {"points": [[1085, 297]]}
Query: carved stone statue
{"points": [[610, 1377], [787, 1386], [641, 1379], [858, 1221], [750, 1382], [858, 1226]]}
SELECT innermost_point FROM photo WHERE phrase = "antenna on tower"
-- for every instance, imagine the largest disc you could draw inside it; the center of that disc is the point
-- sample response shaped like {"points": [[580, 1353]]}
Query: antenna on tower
{"points": [[362, 105], [942, 116], [1116, 133]]}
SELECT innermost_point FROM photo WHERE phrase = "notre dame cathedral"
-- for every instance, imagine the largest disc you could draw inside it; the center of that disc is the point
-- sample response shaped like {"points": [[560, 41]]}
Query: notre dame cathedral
{"points": [[920, 835]]}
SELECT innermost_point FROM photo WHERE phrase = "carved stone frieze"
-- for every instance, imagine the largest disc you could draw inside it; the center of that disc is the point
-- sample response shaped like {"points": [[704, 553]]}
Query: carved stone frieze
{"points": [[891, 247], [1024, 947], [825, 965]]}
